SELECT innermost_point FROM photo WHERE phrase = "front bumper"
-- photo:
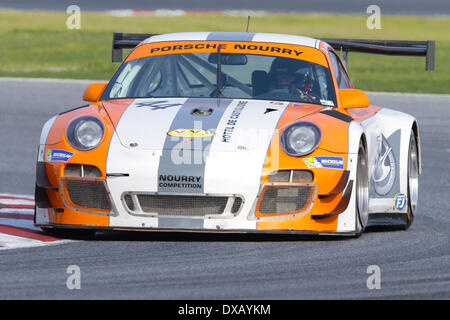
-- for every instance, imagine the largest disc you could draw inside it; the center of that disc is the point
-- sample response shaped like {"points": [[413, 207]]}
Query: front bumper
{"points": [[331, 201]]}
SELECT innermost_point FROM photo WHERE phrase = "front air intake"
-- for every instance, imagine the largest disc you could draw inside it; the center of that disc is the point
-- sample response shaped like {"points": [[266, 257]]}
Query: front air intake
{"points": [[291, 176], [182, 205], [86, 194], [82, 170], [285, 199]]}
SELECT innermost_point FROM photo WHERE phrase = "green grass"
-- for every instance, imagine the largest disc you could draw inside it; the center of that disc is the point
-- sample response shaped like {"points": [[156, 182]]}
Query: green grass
{"points": [[38, 44]]}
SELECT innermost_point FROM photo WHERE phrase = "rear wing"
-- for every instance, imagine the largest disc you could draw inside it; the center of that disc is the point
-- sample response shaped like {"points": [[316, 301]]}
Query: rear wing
{"points": [[387, 47], [126, 41]]}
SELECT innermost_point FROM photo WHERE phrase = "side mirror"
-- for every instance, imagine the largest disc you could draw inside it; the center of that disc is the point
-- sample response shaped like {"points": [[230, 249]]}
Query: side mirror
{"points": [[353, 98], [93, 92]]}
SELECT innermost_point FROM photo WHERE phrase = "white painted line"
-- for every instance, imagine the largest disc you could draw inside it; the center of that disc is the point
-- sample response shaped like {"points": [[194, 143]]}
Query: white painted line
{"points": [[121, 13], [14, 242], [182, 12], [27, 234], [17, 210], [47, 80], [17, 196], [87, 81], [441, 95], [17, 202], [11, 242], [245, 13]]}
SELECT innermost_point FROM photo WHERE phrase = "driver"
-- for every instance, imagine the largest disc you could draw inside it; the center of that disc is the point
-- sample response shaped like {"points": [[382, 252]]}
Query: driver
{"points": [[291, 77]]}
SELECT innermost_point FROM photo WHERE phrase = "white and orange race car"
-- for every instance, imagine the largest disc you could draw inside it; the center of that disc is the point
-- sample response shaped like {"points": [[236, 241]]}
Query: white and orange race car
{"points": [[230, 132]]}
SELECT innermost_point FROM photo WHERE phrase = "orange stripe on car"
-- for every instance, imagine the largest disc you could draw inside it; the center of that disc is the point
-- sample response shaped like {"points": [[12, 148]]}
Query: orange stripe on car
{"points": [[263, 48]]}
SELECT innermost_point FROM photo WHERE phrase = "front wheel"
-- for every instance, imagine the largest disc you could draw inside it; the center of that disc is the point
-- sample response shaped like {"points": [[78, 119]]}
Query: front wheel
{"points": [[362, 191], [413, 181]]}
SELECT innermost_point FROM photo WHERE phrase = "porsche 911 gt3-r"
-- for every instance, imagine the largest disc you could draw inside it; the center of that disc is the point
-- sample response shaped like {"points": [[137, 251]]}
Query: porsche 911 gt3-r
{"points": [[229, 132]]}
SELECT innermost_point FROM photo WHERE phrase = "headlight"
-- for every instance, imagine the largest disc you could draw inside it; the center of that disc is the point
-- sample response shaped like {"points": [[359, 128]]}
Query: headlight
{"points": [[85, 133], [300, 138]]}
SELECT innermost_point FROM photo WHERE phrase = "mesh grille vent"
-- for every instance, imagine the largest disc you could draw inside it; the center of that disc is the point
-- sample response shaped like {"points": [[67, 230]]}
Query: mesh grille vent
{"points": [[184, 205], [285, 199], [88, 194]]}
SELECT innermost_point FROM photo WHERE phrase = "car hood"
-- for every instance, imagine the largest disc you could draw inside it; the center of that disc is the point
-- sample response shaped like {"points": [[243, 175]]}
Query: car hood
{"points": [[199, 123]]}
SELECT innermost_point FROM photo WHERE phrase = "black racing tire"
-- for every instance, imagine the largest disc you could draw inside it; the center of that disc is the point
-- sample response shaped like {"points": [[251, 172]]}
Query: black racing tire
{"points": [[413, 181], [362, 191]]}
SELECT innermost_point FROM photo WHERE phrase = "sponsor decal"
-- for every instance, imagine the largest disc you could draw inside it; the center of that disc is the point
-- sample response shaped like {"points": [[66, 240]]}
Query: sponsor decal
{"points": [[58, 155], [400, 201], [267, 48], [188, 46], [242, 46], [191, 133], [180, 181], [327, 102], [232, 121], [324, 162], [384, 168]]}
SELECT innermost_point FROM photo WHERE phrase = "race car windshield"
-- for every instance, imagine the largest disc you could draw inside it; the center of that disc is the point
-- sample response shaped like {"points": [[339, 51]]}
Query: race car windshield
{"points": [[241, 76]]}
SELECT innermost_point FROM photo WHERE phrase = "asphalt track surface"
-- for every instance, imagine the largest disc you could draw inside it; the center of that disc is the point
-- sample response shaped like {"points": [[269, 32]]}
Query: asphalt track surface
{"points": [[414, 264], [416, 7]]}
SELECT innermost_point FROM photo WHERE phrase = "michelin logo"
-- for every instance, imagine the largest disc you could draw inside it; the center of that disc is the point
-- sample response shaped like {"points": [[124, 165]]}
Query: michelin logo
{"points": [[58, 155], [325, 162]]}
